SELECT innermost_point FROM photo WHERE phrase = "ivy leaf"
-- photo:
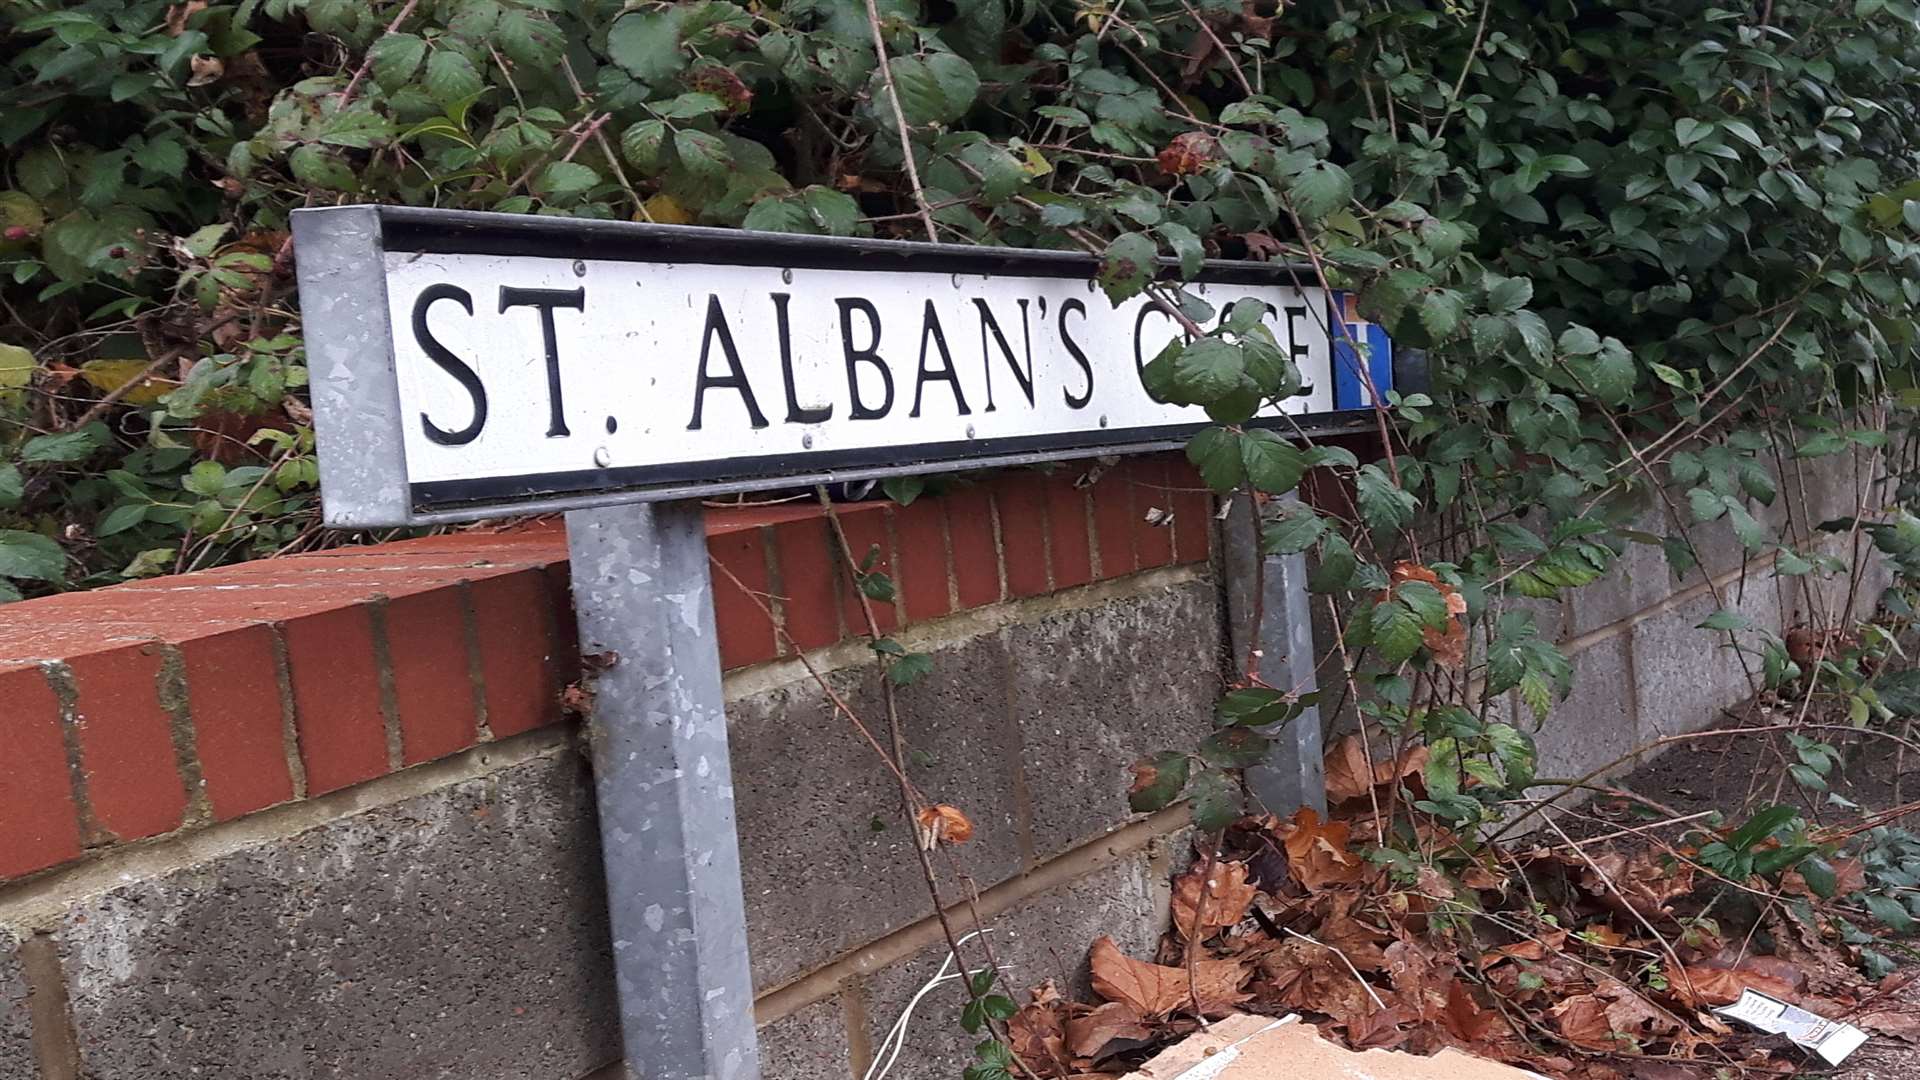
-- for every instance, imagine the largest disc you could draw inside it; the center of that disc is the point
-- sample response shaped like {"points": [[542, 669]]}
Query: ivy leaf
{"points": [[1127, 266], [1689, 131], [1320, 190], [30, 556]]}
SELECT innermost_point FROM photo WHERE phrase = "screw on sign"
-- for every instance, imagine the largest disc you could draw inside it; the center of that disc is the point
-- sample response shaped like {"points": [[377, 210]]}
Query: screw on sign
{"points": [[470, 365]]}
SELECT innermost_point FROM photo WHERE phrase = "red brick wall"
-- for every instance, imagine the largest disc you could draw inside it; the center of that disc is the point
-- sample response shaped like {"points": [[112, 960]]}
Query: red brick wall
{"points": [[146, 708]]}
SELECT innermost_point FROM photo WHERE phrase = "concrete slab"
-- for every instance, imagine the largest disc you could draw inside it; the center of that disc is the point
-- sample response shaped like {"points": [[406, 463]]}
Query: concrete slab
{"points": [[809, 1045], [16, 1023], [457, 934], [1095, 690]]}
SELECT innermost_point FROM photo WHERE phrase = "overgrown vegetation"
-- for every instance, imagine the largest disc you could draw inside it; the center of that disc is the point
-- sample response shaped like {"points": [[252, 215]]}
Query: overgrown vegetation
{"points": [[1661, 253]]}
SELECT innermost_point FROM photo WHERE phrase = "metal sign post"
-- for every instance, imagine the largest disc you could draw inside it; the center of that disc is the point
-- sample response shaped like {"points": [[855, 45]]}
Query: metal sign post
{"points": [[466, 366]]}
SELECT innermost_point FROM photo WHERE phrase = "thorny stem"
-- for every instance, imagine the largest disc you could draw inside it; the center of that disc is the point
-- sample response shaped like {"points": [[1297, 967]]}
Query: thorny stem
{"points": [[900, 121], [907, 792]]}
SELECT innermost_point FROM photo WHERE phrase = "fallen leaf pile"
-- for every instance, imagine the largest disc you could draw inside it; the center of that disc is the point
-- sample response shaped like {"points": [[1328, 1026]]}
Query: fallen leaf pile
{"points": [[1595, 962]]}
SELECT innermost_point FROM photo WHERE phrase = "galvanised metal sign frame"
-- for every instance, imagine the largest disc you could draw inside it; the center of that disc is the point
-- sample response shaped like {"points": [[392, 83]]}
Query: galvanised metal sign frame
{"points": [[468, 365]]}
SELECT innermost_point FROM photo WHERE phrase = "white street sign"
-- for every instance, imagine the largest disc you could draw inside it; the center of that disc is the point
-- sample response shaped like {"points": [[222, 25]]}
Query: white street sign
{"points": [[539, 363]]}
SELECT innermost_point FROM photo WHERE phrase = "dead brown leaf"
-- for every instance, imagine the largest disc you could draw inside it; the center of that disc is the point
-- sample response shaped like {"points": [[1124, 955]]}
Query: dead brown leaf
{"points": [[1227, 899], [1317, 851], [1699, 986], [942, 824], [1089, 1036], [1155, 990], [1038, 1037]]}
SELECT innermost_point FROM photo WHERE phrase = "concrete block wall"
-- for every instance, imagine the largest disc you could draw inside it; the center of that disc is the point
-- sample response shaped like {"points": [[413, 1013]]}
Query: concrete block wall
{"points": [[323, 816]]}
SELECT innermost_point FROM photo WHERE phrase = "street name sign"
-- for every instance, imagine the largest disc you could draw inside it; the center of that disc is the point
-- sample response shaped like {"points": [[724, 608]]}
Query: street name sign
{"points": [[469, 365]]}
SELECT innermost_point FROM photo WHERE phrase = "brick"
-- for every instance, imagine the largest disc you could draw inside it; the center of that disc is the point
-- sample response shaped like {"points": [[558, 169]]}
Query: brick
{"points": [[976, 552], [1148, 478], [519, 661], [336, 697], [432, 678], [1069, 543], [1192, 513], [233, 695], [921, 529], [1113, 523], [36, 790], [126, 742], [1022, 498], [866, 530], [745, 627], [810, 604]]}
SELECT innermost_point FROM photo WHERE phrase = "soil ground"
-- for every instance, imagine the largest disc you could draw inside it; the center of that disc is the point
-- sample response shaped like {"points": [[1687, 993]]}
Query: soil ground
{"points": [[1726, 773]]}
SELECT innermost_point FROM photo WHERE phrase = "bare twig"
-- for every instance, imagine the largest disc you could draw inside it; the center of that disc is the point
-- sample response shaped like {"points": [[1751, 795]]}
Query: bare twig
{"points": [[900, 121]]}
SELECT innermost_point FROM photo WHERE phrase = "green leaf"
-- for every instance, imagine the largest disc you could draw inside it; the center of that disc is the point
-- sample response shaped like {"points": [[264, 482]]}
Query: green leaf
{"points": [[1217, 801], [1334, 572], [1689, 131], [1273, 464], [1295, 530], [1889, 911], [1761, 826], [1320, 190], [1256, 706], [643, 143], [564, 180], [1185, 246], [13, 487], [1127, 266], [908, 669], [702, 154], [64, 448], [1820, 876], [395, 57], [1396, 631], [1235, 748], [122, 518], [647, 45], [31, 557], [1157, 781], [451, 78], [1216, 452], [312, 164], [1509, 295], [1725, 620], [1383, 504]]}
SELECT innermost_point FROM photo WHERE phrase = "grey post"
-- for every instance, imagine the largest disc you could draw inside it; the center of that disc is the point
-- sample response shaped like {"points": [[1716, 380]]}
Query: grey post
{"points": [[644, 597], [1269, 612]]}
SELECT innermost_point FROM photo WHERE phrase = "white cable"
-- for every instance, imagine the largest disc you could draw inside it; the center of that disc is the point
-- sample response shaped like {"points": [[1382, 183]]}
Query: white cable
{"points": [[897, 1035]]}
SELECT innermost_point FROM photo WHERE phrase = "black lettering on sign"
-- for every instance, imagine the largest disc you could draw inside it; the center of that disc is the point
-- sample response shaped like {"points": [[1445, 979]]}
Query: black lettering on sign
{"points": [[734, 379], [1139, 360], [546, 300], [468, 378], [930, 329], [1294, 348], [868, 355], [795, 414], [1079, 355], [987, 323]]}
